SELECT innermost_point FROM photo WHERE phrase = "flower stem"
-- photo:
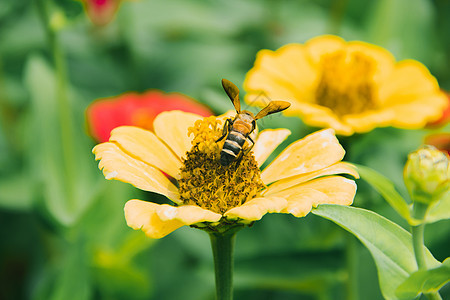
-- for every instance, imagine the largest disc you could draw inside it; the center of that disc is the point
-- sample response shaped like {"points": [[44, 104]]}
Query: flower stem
{"points": [[336, 15], [63, 105], [223, 245], [419, 211], [351, 253], [417, 232]]}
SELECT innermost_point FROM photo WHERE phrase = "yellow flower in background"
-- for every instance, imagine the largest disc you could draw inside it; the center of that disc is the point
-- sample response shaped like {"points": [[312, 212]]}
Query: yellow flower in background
{"points": [[351, 87], [181, 161]]}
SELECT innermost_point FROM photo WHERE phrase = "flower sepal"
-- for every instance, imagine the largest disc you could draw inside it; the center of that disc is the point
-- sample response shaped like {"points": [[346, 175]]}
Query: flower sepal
{"points": [[224, 226]]}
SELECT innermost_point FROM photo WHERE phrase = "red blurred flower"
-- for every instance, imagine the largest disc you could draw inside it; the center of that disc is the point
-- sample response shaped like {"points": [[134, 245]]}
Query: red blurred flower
{"points": [[103, 115], [440, 141], [444, 119], [101, 12]]}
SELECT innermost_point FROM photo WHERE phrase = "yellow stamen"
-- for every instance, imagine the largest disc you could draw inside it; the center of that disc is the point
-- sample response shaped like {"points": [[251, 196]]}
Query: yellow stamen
{"points": [[346, 85], [204, 182]]}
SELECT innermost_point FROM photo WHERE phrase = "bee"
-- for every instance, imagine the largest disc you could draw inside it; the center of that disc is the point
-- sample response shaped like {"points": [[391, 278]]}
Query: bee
{"points": [[238, 130]]}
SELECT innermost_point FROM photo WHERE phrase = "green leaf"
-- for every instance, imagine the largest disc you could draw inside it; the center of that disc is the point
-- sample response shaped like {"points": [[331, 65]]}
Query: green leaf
{"points": [[387, 189], [389, 244], [68, 183], [425, 281]]}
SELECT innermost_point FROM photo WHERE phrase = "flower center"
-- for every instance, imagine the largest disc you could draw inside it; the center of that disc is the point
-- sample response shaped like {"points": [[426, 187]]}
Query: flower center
{"points": [[204, 182], [346, 84]]}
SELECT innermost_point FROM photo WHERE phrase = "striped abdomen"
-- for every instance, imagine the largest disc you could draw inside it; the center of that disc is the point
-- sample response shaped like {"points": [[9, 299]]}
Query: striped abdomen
{"points": [[235, 141]]}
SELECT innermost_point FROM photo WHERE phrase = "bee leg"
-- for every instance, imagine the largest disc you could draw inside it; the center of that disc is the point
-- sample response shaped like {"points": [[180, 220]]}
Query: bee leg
{"points": [[247, 151], [251, 147], [251, 140], [226, 129], [239, 159]]}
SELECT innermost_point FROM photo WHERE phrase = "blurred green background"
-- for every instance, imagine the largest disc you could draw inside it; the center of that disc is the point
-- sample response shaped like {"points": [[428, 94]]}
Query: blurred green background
{"points": [[62, 230]]}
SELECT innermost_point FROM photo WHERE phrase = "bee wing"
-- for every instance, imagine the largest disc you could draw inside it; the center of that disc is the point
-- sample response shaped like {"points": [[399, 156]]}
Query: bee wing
{"points": [[271, 108], [232, 92]]}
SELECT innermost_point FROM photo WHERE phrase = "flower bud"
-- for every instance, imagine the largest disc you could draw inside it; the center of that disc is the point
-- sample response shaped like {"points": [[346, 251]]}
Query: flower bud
{"points": [[427, 174]]}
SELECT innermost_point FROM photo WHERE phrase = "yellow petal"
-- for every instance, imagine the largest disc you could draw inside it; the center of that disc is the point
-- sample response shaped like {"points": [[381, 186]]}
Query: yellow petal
{"points": [[285, 74], [318, 116], [142, 215], [409, 78], [337, 168], [267, 141], [118, 165], [147, 147], [369, 120], [326, 190], [314, 152], [302, 204], [319, 46], [158, 220], [325, 118], [256, 208], [417, 114], [289, 63], [187, 214], [172, 128]]}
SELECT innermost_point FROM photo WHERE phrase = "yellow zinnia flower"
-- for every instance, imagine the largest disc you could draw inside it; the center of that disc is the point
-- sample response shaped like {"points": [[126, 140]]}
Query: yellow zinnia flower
{"points": [[215, 198], [349, 86]]}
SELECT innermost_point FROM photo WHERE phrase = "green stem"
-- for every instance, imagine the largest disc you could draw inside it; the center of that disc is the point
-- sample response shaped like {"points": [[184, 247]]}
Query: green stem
{"points": [[417, 232], [351, 253], [336, 15], [222, 245], [417, 236], [64, 110]]}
